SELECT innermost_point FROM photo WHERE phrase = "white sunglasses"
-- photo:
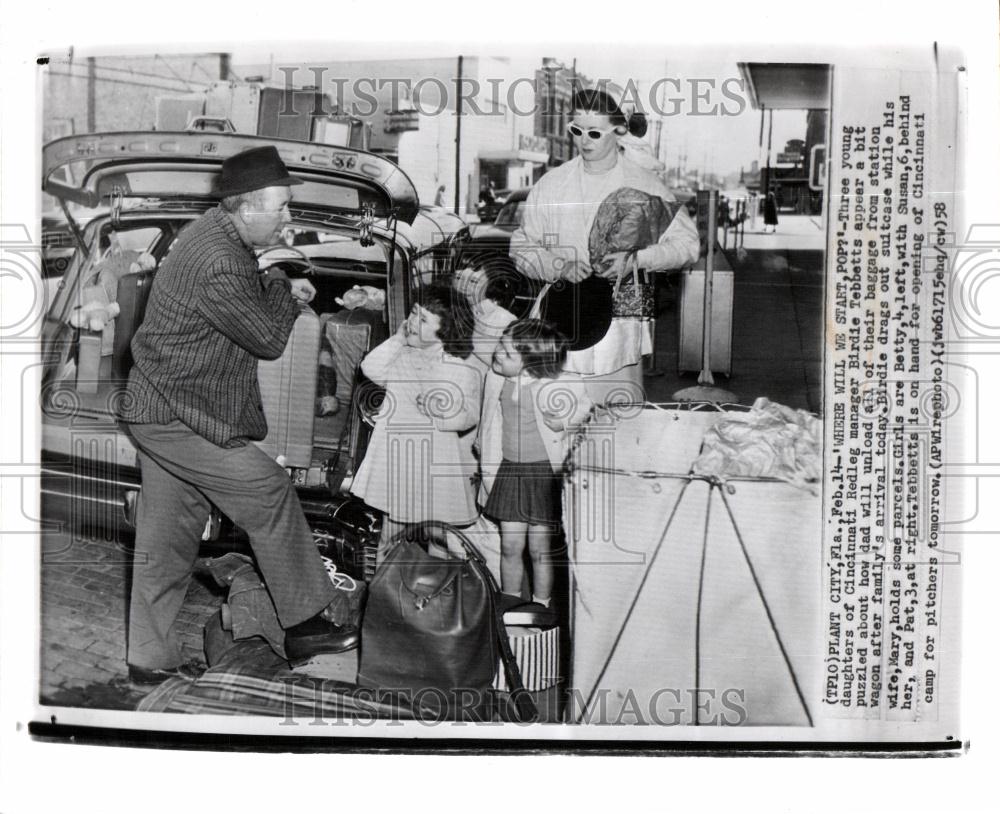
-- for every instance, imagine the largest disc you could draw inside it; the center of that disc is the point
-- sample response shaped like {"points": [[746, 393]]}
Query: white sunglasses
{"points": [[593, 133]]}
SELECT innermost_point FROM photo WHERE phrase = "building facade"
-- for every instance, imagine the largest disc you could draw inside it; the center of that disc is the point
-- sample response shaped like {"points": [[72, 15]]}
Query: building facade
{"points": [[556, 85], [103, 94], [440, 136], [461, 123]]}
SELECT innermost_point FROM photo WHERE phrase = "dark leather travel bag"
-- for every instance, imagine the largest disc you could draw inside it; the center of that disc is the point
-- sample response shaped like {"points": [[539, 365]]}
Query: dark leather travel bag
{"points": [[432, 629]]}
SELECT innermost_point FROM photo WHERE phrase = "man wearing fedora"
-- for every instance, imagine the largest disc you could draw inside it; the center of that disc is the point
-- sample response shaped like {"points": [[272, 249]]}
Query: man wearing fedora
{"points": [[194, 405]]}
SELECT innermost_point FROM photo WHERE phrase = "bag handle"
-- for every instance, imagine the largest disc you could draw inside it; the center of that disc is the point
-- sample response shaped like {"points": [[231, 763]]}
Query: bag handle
{"points": [[536, 308], [631, 264], [526, 709], [636, 271]]}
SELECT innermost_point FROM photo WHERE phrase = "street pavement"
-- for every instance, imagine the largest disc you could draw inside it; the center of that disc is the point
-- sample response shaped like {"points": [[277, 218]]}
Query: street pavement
{"points": [[84, 589]]}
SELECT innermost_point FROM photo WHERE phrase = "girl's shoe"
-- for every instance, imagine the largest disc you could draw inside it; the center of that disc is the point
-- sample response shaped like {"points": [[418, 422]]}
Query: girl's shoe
{"points": [[531, 614]]}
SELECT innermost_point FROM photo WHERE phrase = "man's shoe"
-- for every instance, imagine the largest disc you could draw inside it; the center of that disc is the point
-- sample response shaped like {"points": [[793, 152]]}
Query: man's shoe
{"points": [[316, 636], [147, 677]]}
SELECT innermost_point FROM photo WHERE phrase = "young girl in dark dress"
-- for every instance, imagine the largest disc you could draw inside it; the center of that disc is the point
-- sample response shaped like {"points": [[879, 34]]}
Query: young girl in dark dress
{"points": [[529, 404]]}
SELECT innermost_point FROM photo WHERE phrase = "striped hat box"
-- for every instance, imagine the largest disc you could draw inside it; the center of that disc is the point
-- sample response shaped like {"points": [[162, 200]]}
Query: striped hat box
{"points": [[536, 652]]}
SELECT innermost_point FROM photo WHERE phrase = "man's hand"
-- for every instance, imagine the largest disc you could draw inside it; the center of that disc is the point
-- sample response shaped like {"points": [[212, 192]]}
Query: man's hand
{"points": [[302, 289]]}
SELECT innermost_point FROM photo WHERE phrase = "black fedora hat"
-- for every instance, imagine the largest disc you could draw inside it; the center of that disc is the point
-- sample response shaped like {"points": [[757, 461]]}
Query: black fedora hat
{"points": [[252, 169]]}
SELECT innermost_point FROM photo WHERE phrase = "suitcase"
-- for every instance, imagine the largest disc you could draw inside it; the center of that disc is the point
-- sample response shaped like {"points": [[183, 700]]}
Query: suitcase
{"points": [[133, 294], [350, 335], [288, 393]]}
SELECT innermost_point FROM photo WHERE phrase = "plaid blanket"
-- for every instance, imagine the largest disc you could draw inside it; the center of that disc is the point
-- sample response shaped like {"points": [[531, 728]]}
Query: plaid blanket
{"points": [[248, 686]]}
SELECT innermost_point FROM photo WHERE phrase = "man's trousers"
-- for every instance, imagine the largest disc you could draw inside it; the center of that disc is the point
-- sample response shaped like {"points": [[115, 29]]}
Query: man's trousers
{"points": [[181, 473]]}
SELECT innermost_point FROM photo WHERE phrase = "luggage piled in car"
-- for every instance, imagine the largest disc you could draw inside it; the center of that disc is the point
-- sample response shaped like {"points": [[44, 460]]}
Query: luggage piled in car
{"points": [[288, 393]]}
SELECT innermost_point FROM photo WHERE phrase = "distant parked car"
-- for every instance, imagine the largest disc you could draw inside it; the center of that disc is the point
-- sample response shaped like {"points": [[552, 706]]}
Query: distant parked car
{"points": [[488, 210], [507, 220]]}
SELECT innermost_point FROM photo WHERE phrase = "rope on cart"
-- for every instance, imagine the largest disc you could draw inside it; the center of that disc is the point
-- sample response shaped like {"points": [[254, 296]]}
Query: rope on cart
{"points": [[576, 586], [723, 486], [649, 474], [635, 599], [701, 587], [767, 608], [698, 406]]}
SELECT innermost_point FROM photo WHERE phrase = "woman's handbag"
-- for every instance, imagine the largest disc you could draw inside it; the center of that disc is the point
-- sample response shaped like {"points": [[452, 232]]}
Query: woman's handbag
{"points": [[432, 628], [626, 221], [634, 295]]}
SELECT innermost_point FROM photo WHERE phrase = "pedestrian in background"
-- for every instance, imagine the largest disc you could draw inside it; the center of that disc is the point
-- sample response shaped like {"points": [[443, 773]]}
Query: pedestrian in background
{"points": [[770, 213]]}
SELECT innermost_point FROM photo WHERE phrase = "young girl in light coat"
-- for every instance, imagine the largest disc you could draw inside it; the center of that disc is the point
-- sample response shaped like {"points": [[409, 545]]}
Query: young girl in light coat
{"points": [[418, 465]]}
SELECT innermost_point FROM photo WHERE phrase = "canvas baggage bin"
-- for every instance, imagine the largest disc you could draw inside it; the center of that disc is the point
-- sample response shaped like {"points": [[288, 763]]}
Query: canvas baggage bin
{"points": [[288, 393], [722, 615]]}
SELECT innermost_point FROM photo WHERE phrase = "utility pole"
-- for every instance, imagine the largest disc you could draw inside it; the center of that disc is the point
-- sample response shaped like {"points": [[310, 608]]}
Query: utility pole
{"points": [[550, 106], [767, 169], [458, 138], [663, 101], [91, 95], [572, 91]]}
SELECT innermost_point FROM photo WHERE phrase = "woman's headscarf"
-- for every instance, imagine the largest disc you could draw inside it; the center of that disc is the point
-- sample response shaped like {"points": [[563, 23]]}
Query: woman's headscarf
{"points": [[609, 100]]}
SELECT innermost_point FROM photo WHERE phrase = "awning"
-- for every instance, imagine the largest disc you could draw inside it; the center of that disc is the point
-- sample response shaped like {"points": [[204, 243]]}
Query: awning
{"points": [[787, 85], [509, 156]]}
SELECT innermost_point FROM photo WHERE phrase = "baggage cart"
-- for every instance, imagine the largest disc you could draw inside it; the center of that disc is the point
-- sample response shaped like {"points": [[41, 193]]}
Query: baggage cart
{"points": [[694, 600]]}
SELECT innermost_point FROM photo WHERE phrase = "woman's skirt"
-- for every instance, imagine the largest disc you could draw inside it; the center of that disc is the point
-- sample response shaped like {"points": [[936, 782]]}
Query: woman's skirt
{"points": [[526, 492]]}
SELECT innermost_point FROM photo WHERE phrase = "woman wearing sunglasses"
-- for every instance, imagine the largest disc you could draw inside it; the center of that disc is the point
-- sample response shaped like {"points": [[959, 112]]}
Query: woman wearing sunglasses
{"points": [[552, 242]]}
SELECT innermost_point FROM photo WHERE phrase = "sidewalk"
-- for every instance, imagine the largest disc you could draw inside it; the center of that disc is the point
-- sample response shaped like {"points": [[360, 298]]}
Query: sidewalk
{"points": [[777, 320], [793, 232]]}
